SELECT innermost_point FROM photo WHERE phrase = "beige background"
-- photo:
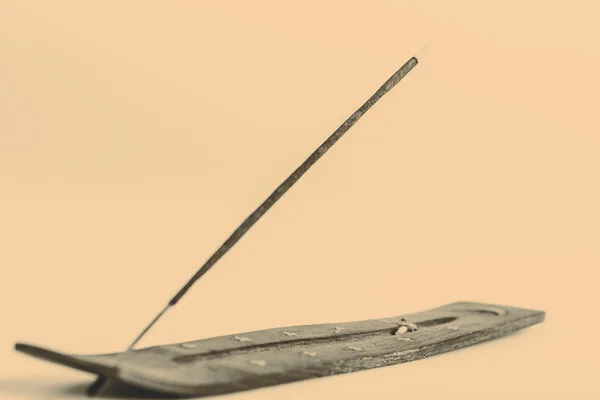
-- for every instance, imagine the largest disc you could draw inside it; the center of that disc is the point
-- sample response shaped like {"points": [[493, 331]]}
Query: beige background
{"points": [[135, 136]]}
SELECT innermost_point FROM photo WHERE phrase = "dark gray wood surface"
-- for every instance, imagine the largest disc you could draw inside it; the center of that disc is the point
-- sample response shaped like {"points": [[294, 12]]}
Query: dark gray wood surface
{"points": [[275, 356]]}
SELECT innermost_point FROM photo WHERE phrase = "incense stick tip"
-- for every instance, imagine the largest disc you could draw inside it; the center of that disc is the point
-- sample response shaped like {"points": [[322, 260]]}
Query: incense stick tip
{"points": [[424, 50]]}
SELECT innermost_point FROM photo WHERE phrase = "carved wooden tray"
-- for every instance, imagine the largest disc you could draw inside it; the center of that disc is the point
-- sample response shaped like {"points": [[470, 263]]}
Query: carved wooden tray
{"points": [[263, 358]]}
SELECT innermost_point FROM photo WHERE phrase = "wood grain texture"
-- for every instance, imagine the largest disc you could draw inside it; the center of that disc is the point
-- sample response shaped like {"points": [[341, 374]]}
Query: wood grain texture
{"points": [[275, 356]]}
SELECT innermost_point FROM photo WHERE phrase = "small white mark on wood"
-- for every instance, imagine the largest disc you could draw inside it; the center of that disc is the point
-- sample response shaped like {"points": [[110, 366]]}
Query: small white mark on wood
{"points": [[355, 348], [286, 333], [338, 329], [453, 328], [405, 339], [310, 353], [242, 339], [260, 363], [188, 345], [404, 352]]}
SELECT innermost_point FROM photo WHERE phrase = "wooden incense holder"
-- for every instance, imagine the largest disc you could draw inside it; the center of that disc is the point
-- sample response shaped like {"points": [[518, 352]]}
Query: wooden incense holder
{"points": [[269, 357]]}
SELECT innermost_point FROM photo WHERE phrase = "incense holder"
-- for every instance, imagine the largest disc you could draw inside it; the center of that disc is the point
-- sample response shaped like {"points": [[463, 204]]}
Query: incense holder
{"points": [[269, 357]]}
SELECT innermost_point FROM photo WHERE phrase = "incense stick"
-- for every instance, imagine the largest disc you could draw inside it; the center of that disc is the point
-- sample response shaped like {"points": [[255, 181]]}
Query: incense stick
{"points": [[284, 187], [276, 195]]}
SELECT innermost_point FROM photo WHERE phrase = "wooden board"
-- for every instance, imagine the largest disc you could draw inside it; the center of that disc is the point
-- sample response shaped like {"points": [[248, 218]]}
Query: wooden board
{"points": [[275, 356]]}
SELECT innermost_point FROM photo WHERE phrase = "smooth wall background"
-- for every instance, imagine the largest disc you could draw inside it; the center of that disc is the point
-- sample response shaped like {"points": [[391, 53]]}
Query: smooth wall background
{"points": [[136, 135]]}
